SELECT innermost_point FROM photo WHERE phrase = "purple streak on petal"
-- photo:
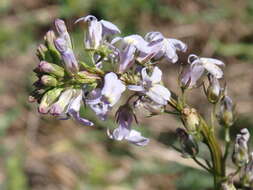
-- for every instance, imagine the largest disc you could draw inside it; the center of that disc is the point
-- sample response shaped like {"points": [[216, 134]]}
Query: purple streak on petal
{"points": [[61, 45], [179, 45], [70, 61], [126, 58], [153, 36]]}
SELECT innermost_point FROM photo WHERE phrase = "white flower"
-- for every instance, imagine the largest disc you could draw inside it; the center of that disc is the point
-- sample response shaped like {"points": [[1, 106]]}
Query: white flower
{"points": [[151, 86]]}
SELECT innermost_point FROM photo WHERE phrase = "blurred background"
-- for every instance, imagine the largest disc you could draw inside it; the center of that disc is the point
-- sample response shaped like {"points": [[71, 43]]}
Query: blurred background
{"points": [[41, 153]]}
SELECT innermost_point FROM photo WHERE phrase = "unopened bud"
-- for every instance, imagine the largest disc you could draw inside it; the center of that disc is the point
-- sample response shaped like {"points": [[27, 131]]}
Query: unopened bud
{"points": [[62, 31], [213, 92], [48, 99], [49, 40], [188, 144], [51, 68], [61, 45], [240, 155], [226, 116], [48, 80], [41, 52], [152, 107], [191, 120], [70, 61], [247, 178], [60, 106], [86, 77]]}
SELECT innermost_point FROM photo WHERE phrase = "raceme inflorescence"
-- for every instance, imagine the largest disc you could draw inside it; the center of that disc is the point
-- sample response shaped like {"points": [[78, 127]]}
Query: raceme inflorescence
{"points": [[130, 65]]}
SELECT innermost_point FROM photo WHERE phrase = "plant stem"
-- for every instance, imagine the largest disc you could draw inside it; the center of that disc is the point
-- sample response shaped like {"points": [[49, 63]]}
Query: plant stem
{"points": [[201, 164], [215, 153], [213, 116], [227, 140]]}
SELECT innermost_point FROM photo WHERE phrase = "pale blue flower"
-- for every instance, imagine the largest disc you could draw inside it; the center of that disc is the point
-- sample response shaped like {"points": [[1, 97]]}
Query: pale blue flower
{"points": [[97, 30], [168, 48], [151, 86], [134, 47], [102, 100], [113, 88], [125, 117], [208, 64]]}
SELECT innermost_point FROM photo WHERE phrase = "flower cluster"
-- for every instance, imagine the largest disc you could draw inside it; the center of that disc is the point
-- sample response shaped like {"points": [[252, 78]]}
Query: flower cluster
{"points": [[65, 82], [117, 67]]}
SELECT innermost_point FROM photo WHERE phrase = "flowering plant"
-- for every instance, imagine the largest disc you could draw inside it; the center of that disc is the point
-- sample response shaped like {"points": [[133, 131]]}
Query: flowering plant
{"points": [[131, 63]]}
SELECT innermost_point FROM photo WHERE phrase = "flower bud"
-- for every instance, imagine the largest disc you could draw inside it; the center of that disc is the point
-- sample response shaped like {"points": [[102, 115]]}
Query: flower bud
{"points": [[62, 31], [226, 116], [213, 92], [188, 144], [48, 80], [41, 52], [51, 68], [86, 77], [152, 107], [60, 106], [70, 62], [49, 40], [48, 99], [191, 120], [68, 57], [240, 155], [61, 45], [60, 26]]}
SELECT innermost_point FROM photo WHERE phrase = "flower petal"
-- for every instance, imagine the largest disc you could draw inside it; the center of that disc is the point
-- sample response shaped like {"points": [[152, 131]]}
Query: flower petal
{"points": [[126, 58], [77, 117], [135, 88], [213, 69], [120, 133], [179, 45], [138, 42], [212, 61], [153, 36], [109, 28], [156, 97], [113, 88], [156, 76], [136, 138]]}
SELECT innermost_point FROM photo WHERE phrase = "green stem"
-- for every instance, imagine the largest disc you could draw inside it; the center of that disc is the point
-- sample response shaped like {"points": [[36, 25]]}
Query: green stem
{"points": [[201, 164], [227, 140], [213, 116], [215, 153]]}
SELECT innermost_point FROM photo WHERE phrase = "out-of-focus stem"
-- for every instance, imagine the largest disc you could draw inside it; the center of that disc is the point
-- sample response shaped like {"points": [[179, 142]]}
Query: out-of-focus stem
{"points": [[201, 164], [215, 151], [213, 116], [227, 141]]}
